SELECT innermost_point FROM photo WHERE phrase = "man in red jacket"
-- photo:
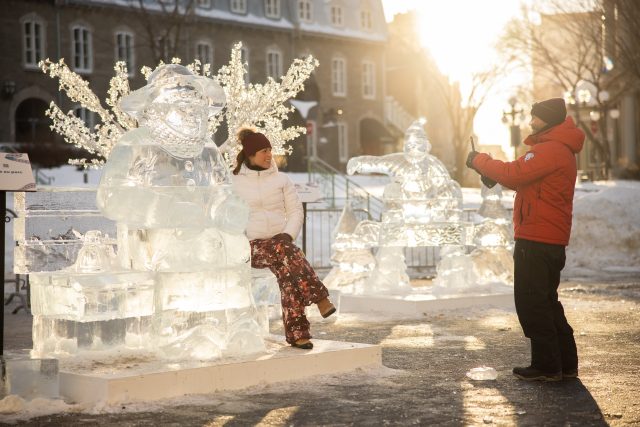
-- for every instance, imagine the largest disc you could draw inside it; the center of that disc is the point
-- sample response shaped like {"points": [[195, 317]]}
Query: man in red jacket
{"points": [[544, 180]]}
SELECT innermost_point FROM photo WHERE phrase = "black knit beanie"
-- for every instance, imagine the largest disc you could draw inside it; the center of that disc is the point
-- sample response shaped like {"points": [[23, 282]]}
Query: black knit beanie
{"points": [[552, 111]]}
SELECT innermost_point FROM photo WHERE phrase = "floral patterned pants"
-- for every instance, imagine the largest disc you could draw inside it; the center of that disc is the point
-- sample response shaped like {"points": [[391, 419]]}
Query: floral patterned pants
{"points": [[299, 284]]}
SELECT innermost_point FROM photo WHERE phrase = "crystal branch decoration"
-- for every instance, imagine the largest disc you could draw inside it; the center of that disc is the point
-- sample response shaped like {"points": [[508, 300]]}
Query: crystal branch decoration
{"points": [[261, 106], [101, 139]]}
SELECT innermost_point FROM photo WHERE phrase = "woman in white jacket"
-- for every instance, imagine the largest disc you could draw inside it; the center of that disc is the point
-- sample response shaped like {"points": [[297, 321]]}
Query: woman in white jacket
{"points": [[275, 220]]}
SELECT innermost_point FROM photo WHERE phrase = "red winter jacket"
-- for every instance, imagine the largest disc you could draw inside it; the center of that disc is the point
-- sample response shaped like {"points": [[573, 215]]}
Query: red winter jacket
{"points": [[544, 180]]}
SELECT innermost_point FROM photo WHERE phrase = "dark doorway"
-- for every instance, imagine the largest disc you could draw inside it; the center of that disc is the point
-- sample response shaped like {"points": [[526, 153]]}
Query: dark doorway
{"points": [[46, 149], [32, 126]]}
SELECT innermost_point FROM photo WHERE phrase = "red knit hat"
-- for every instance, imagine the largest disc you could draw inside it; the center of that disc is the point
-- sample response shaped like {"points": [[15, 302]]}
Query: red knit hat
{"points": [[254, 142]]}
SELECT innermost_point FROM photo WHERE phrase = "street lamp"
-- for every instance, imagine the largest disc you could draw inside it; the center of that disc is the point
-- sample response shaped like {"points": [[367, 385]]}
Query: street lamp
{"points": [[513, 117], [614, 113]]}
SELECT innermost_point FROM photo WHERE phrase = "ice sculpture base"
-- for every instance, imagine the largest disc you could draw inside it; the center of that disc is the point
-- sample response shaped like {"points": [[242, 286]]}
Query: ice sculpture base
{"points": [[129, 380], [28, 378], [417, 304]]}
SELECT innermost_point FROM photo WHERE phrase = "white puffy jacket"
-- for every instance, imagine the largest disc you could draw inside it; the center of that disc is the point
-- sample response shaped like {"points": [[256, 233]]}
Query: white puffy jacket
{"points": [[273, 202]]}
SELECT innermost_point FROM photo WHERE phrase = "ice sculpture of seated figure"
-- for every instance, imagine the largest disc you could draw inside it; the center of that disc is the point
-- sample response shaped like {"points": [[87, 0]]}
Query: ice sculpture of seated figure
{"points": [[169, 190], [423, 205]]}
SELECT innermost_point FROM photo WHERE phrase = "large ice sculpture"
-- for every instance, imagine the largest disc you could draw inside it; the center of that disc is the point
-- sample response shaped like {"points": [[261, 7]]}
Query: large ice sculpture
{"points": [[168, 188], [180, 282], [423, 204]]}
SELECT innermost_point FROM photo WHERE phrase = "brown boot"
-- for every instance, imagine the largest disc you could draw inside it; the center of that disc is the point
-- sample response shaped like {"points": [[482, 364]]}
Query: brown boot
{"points": [[326, 308], [303, 343]]}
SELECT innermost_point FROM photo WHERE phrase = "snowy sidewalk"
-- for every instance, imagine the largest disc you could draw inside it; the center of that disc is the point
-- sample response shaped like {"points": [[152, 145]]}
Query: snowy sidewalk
{"points": [[423, 380]]}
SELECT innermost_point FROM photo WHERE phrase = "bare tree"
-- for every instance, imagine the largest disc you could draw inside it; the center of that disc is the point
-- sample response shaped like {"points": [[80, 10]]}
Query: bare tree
{"points": [[462, 109], [623, 35], [565, 49], [164, 23]]}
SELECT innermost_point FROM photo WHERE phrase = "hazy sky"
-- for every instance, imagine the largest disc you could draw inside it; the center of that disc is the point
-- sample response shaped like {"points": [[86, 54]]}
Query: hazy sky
{"points": [[460, 35]]}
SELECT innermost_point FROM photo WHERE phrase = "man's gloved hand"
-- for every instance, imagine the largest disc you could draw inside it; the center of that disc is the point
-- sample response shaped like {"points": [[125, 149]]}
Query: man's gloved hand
{"points": [[488, 181], [283, 237], [472, 155]]}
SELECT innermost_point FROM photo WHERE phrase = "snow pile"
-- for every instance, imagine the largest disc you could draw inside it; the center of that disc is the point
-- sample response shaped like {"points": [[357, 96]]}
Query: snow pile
{"points": [[14, 408], [605, 235]]}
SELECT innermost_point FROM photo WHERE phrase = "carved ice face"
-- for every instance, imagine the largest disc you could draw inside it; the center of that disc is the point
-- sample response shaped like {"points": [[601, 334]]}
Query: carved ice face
{"points": [[415, 149], [182, 111]]}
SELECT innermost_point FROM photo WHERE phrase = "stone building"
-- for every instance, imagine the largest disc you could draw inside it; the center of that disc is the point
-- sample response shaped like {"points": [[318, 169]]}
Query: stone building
{"points": [[348, 37]]}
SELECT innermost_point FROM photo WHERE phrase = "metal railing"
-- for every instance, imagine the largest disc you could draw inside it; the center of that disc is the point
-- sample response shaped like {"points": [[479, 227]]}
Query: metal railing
{"points": [[320, 223], [338, 188]]}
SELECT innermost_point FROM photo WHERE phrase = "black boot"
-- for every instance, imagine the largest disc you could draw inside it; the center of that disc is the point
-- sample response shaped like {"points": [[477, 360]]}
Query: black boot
{"points": [[569, 355], [533, 374]]}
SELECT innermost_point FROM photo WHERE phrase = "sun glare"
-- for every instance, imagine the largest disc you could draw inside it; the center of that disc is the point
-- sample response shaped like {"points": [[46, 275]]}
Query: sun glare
{"points": [[461, 35]]}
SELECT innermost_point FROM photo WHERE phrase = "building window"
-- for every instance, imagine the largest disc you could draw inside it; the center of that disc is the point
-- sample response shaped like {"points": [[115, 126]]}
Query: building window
{"points": [[337, 17], [204, 4], [82, 49], [338, 77], [238, 6], [204, 53], [272, 8], [33, 42], [244, 57], [343, 142], [164, 48], [274, 63], [368, 80], [85, 115], [304, 10], [365, 20], [124, 50]]}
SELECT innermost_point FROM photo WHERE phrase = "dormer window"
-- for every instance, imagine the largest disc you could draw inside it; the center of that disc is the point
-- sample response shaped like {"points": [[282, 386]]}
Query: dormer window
{"points": [[272, 9], [337, 16], [304, 10], [366, 22], [238, 6]]}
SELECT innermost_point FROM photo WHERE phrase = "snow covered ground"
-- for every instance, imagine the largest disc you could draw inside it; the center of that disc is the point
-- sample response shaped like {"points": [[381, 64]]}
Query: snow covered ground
{"points": [[605, 242]]}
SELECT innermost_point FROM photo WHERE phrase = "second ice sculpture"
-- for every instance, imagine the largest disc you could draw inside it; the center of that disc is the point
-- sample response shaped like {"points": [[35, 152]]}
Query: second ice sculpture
{"points": [[168, 188], [423, 207], [423, 204]]}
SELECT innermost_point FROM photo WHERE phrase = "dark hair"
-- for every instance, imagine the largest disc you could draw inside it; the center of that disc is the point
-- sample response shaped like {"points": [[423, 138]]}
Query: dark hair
{"points": [[240, 136], [239, 161]]}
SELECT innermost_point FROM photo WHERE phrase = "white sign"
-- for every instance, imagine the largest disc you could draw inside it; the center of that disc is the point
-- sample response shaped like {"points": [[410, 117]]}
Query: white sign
{"points": [[309, 193], [15, 172]]}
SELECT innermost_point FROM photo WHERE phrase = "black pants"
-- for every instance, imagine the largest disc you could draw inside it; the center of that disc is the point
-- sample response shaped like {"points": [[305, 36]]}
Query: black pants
{"points": [[537, 269]]}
